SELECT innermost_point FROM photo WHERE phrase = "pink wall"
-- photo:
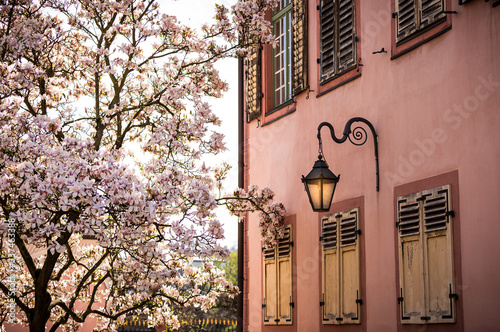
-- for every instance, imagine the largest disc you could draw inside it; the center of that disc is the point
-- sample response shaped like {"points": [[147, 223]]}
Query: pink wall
{"points": [[436, 109]]}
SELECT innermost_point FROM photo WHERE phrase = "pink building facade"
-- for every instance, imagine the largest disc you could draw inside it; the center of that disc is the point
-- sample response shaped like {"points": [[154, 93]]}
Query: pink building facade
{"points": [[421, 253]]}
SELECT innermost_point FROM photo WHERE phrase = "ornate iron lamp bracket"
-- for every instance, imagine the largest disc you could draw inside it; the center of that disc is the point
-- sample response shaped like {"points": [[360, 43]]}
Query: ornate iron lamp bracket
{"points": [[356, 136]]}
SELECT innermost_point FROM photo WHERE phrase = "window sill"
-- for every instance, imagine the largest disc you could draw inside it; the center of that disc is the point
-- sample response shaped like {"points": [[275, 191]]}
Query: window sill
{"points": [[420, 37], [335, 82]]}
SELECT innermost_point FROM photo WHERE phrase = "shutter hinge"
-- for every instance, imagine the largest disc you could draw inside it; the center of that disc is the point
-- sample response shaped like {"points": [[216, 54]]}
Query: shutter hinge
{"points": [[318, 60], [360, 301], [395, 14], [450, 213], [356, 38], [400, 299], [358, 231], [318, 7], [397, 223], [453, 296], [291, 243], [320, 239], [292, 304], [425, 318], [321, 303], [263, 305]]}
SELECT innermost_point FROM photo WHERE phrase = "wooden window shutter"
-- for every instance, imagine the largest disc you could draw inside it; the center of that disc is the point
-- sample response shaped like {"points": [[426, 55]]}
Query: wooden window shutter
{"points": [[253, 84], [338, 37], [270, 290], [341, 272], [330, 284], [285, 300], [406, 19], [438, 253], [278, 299], [347, 35], [431, 11], [299, 44], [426, 259], [410, 253], [349, 266], [328, 60]]}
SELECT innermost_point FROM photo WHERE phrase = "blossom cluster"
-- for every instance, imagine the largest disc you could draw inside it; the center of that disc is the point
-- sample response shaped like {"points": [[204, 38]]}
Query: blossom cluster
{"points": [[104, 122]]}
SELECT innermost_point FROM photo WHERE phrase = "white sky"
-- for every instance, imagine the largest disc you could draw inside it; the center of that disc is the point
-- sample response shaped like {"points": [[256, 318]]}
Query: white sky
{"points": [[194, 13]]}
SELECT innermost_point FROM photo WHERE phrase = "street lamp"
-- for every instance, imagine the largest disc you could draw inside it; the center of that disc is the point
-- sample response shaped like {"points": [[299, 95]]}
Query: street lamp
{"points": [[320, 183]]}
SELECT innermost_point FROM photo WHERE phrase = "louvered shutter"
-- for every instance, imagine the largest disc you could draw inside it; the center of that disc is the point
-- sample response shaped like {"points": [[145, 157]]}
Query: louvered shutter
{"points": [[431, 11], [406, 19], [438, 251], [426, 257], [285, 301], [330, 270], [270, 291], [299, 44], [338, 37], [346, 35], [253, 83], [341, 276], [349, 266], [410, 250], [328, 33]]}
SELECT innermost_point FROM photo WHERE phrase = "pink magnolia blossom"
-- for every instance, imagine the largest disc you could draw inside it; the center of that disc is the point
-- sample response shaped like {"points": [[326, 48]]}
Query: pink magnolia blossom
{"points": [[90, 228]]}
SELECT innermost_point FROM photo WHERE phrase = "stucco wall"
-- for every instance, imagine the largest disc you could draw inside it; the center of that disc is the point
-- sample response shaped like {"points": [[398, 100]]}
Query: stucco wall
{"points": [[436, 109]]}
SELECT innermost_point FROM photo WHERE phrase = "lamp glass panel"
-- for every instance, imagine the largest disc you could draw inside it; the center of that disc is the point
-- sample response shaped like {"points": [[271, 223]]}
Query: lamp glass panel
{"points": [[328, 189], [314, 188]]}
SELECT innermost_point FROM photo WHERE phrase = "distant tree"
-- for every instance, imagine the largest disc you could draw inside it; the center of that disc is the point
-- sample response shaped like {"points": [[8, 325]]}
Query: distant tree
{"points": [[103, 126], [231, 268]]}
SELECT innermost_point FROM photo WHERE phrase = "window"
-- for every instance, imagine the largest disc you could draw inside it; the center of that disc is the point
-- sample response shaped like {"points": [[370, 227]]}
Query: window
{"points": [[338, 38], [414, 16], [426, 257], [341, 297], [278, 303], [282, 53], [275, 75]]}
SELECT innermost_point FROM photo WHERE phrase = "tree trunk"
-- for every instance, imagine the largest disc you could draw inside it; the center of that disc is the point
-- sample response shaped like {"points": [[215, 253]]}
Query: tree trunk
{"points": [[40, 314]]}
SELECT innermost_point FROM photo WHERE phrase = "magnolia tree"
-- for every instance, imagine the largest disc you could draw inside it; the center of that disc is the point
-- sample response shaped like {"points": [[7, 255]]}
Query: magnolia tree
{"points": [[104, 195]]}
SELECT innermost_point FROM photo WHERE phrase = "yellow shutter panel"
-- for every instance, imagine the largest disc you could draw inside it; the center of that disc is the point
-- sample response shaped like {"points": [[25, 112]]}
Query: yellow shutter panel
{"points": [[406, 18], [438, 253], [270, 291], [299, 38], [285, 301], [349, 266], [330, 282], [431, 11], [410, 251], [253, 84]]}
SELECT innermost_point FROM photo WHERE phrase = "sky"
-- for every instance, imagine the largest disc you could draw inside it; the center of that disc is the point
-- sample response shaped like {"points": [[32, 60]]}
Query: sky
{"points": [[194, 13]]}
